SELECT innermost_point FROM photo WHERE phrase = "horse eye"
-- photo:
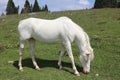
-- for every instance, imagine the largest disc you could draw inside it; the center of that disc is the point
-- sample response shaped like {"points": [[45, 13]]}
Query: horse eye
{"points": [[87, 54]]}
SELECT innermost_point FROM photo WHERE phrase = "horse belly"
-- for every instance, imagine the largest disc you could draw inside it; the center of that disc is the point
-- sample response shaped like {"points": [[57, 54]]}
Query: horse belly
{"points": [[49, 37]]}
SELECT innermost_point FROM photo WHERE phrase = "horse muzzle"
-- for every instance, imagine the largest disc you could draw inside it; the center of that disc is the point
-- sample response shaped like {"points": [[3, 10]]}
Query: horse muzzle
{"points": [[86, 70]]}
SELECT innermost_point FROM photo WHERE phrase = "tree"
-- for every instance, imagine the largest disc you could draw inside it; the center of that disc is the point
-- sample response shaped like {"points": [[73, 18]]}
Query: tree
{"points": [[11, 8], [105, 4], [2, 14], [36, 7], [22, 10], [113, 3], [98, 4], [118, 3], [27, 7], [45, 8]]}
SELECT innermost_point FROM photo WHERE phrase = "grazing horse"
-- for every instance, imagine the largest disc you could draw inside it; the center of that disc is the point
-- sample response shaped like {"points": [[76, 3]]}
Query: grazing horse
{"points": [[62, 30]]}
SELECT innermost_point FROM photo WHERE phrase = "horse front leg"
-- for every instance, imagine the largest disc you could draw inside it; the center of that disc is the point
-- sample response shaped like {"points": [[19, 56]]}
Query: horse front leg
{"points": [[69, 51], [32, 46], [60, 57]]}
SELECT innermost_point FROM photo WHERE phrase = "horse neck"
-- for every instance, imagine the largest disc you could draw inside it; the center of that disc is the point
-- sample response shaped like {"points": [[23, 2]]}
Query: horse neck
{"points": [[83, 42]]}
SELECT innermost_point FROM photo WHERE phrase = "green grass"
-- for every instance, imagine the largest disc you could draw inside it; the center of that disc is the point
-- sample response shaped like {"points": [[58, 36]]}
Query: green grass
{"points": [[103, 27]]}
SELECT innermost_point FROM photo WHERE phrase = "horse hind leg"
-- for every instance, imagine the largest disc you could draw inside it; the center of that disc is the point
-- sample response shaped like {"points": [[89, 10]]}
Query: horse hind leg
{"points": [[22, 43], [60, 57], [32, 46]]}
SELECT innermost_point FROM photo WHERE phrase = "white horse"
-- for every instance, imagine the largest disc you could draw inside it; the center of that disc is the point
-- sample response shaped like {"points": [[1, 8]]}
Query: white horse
{"points": [[62, 30]]}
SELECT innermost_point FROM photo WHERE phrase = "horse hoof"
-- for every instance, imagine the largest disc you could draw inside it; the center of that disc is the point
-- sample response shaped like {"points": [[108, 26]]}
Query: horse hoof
{"points": [[38, 69], [78, 74], [21, 70], [60, 67]]}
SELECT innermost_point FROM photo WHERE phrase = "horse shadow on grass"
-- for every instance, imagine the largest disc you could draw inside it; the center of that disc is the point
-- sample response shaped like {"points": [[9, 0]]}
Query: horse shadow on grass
{"points": [[43, 63]]}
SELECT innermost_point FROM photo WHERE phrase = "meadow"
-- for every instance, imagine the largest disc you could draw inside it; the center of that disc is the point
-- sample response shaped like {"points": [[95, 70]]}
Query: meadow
{"points": [[103, 28]]}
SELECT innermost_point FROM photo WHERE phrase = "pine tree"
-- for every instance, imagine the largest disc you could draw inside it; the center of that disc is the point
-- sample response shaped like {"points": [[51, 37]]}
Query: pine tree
{"points": [[118, 3], [2, 14], [27, 7], [105, 4], [36, 7], [45, 8], [98, 4], [11, 8], [112, 3], [22, 11]]}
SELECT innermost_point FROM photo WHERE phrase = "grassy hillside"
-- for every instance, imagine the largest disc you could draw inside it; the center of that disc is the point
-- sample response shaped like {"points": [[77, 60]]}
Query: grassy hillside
{"points": [[103, 27]]}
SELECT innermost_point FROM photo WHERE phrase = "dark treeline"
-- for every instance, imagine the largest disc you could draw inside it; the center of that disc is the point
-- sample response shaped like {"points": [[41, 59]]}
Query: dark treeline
{"points": [[107, 4], [28, 8]]}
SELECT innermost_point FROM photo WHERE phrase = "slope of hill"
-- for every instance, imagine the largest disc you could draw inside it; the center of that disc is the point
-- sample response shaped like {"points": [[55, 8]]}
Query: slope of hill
{"points": [[103, 27]]}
